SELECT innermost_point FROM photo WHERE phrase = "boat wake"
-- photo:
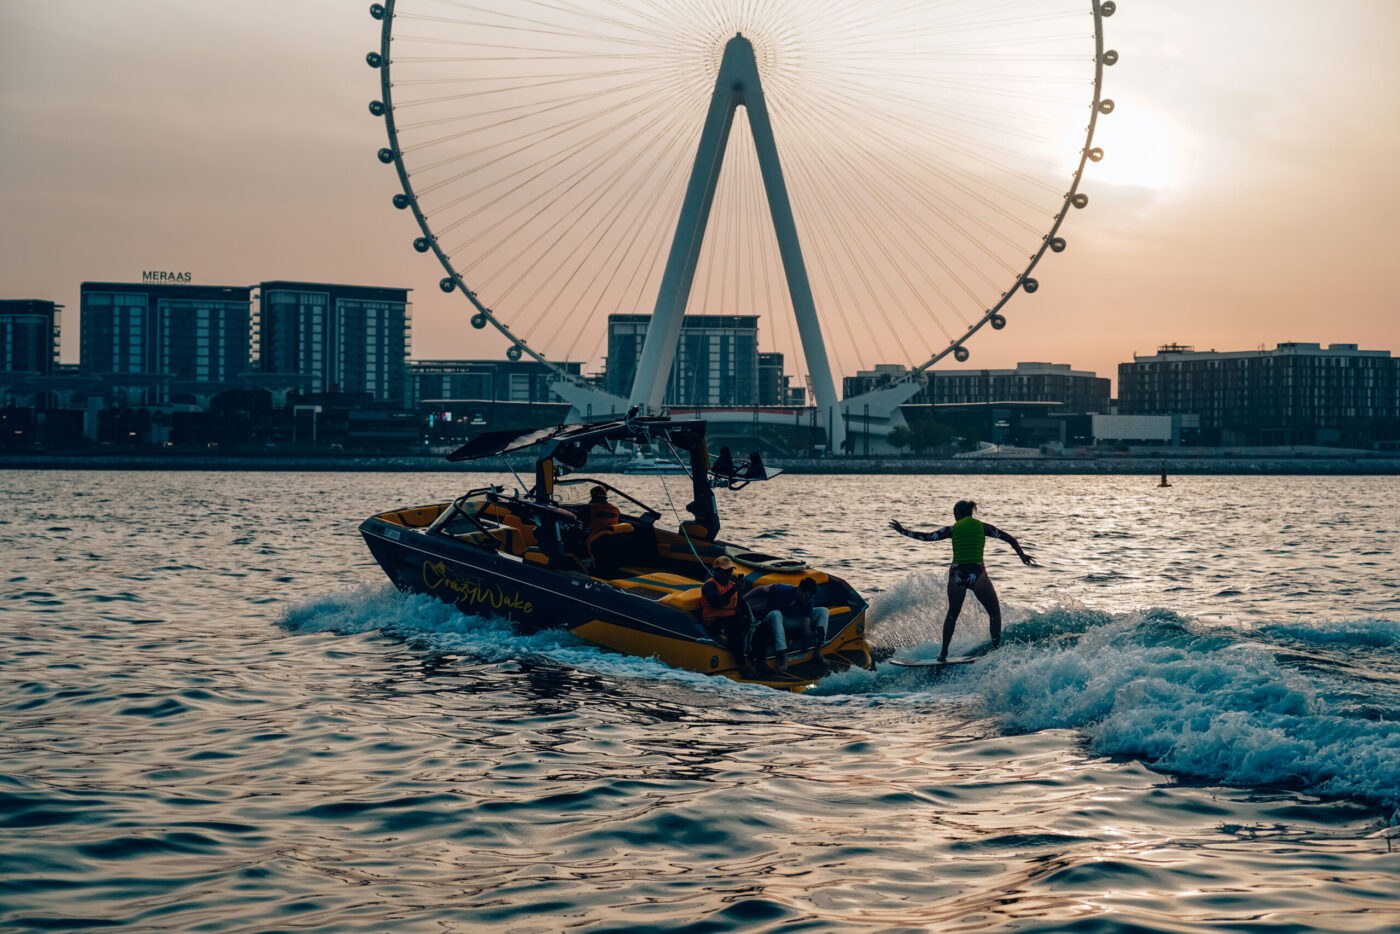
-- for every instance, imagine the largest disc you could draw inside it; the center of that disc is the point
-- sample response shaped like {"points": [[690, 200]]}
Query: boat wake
{"points": [[430, 625], [1310, 705]]}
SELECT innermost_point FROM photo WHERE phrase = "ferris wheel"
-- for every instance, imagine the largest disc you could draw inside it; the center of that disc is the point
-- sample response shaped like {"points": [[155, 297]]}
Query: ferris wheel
{"points": [[903, 168]]}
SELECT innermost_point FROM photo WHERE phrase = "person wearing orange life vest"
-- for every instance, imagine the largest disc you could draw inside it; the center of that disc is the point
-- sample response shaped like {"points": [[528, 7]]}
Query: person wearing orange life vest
{"points": [[601, 513], [967, 571], [725, 616]]}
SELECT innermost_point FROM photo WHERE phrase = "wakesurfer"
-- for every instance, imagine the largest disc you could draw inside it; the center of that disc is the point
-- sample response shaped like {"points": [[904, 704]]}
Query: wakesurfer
{"points": [[967, 571]]}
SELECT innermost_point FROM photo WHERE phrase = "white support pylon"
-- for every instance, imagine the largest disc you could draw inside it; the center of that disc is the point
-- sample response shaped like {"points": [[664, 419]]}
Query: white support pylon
{"points": [[737, 84]]}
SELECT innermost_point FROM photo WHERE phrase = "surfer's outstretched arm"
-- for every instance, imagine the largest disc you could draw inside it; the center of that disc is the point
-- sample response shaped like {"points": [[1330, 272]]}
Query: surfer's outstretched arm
{"points": [[992, 531], [937, 536]]}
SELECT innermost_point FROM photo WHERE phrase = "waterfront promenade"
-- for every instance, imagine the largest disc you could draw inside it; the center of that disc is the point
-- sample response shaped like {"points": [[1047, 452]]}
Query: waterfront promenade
{"points": [[1280, 464]]}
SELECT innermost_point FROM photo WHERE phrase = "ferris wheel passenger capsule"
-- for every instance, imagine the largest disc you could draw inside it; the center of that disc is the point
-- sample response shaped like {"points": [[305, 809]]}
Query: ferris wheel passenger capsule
{"points": [[376, 108], [1106, 105], [998, 322], [1030, 285], [386, 155], [376, 10], [401, 201], [1058, 244], [1109, 8], [422, 245], [374, 59], [478, 321], [961, 354], [514, 353], [1096, 154], [1080, 200], [1110, 57], [447, 284]]}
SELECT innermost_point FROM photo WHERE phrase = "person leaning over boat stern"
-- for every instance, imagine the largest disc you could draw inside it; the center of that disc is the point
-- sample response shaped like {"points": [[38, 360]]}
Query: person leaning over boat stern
{"points": [[789, 609], [726, 619], [967, 571]]}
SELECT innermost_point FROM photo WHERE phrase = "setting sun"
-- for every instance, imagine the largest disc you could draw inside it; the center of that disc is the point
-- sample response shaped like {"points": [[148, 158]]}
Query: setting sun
{"points": [[1138, 150]]}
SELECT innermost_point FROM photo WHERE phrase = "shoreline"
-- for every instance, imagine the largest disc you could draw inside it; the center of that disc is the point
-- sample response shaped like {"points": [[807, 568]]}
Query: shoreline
{"points": [[611, 464]]}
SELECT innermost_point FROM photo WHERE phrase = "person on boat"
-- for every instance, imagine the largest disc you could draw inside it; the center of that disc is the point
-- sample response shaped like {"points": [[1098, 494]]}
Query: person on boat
{"points": [[755, 469], [724, 464], [967, 571], [726, 618], [789, 609], [601, 513]]}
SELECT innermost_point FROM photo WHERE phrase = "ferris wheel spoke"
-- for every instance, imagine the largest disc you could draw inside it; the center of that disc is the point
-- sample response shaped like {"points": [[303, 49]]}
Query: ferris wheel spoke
{"points": [[581, 255], [615, 262], [846, 169], [553, 201], [899, 265]]}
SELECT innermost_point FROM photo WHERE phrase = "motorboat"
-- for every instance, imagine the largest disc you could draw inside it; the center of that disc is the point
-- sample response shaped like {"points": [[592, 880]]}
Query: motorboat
{"points": [[647, 462], [633, 587]]}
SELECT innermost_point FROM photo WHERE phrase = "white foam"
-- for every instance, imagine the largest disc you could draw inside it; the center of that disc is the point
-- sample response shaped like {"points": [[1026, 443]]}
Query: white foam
{"points": [[1197, 702], [1367, 632]]}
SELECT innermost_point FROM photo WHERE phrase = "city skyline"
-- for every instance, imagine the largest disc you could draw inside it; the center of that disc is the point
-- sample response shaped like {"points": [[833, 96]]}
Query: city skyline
{"points": [[1245, 198]]}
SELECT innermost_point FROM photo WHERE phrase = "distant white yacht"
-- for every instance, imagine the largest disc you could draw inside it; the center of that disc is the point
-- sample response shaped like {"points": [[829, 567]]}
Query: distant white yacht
{"points": [[646, 461]]}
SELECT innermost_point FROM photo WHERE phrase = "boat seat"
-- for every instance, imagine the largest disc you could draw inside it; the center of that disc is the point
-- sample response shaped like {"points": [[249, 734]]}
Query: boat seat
{"points": [[533, 555], [525, 534], [504, 537], [622, 544]]}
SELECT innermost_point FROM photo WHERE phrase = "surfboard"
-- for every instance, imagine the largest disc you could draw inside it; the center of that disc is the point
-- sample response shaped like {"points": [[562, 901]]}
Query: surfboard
{"points": [[919, 663]]}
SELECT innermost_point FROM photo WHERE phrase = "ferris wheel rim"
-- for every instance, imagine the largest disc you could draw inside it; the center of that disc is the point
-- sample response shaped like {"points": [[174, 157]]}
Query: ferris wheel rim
{"points": [[385, 12], [428, 242], [1100, 9]]}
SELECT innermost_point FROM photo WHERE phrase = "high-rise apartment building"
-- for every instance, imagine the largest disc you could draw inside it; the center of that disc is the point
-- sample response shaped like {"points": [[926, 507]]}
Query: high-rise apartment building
{"points": [[716, 359], [1297, 393], [28, 336], [142, 337], [342, 338]]}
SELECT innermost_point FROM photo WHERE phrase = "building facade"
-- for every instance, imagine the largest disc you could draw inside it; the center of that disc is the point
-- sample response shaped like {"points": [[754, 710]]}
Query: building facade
{"points": [[1077, 390], [341, 338], [29, 336], [717, 360], [484, 380], [144, 340], [775, 385], [1295, 394]]}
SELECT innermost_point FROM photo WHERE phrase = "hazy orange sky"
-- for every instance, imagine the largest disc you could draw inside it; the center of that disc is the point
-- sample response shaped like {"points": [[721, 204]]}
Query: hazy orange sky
{"points": [[1250, 194]]}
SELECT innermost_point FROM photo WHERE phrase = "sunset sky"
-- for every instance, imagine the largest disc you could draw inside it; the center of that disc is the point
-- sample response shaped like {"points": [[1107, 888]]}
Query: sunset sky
{"points": [[1249, 196]]}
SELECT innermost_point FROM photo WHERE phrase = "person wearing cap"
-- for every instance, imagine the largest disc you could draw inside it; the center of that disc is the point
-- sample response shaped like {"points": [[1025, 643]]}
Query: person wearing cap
{"points": [[601, 513], [789, 609], [967, 571], [725, 616]]}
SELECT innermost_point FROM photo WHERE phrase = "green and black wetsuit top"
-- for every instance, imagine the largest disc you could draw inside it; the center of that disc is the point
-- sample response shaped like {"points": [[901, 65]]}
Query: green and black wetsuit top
{"points": [[969, 537]]}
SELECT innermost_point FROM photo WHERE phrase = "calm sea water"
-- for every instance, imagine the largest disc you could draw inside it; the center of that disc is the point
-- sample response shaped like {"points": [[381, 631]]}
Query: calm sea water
{"points": [[218, 717]]}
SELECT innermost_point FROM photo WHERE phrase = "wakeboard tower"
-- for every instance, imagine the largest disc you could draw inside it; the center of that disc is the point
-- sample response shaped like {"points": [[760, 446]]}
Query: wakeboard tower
{"points": [[633, 587]]}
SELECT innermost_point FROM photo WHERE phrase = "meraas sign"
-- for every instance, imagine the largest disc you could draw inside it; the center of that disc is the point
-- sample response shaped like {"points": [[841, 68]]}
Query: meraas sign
{"points": [[156, 277]]}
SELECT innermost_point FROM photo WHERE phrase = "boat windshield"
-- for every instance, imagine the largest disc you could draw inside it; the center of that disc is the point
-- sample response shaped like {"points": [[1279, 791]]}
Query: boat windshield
{"points": [[574, 491]]}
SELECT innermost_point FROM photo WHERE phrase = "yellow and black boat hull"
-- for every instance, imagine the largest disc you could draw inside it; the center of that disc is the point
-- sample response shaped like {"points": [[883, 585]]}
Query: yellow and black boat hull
{"points": [[649, 609]]}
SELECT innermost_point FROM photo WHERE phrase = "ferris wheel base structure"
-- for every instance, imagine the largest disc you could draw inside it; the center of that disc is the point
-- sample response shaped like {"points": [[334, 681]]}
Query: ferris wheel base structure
{"points": [[866, 419], [736, 85]]}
